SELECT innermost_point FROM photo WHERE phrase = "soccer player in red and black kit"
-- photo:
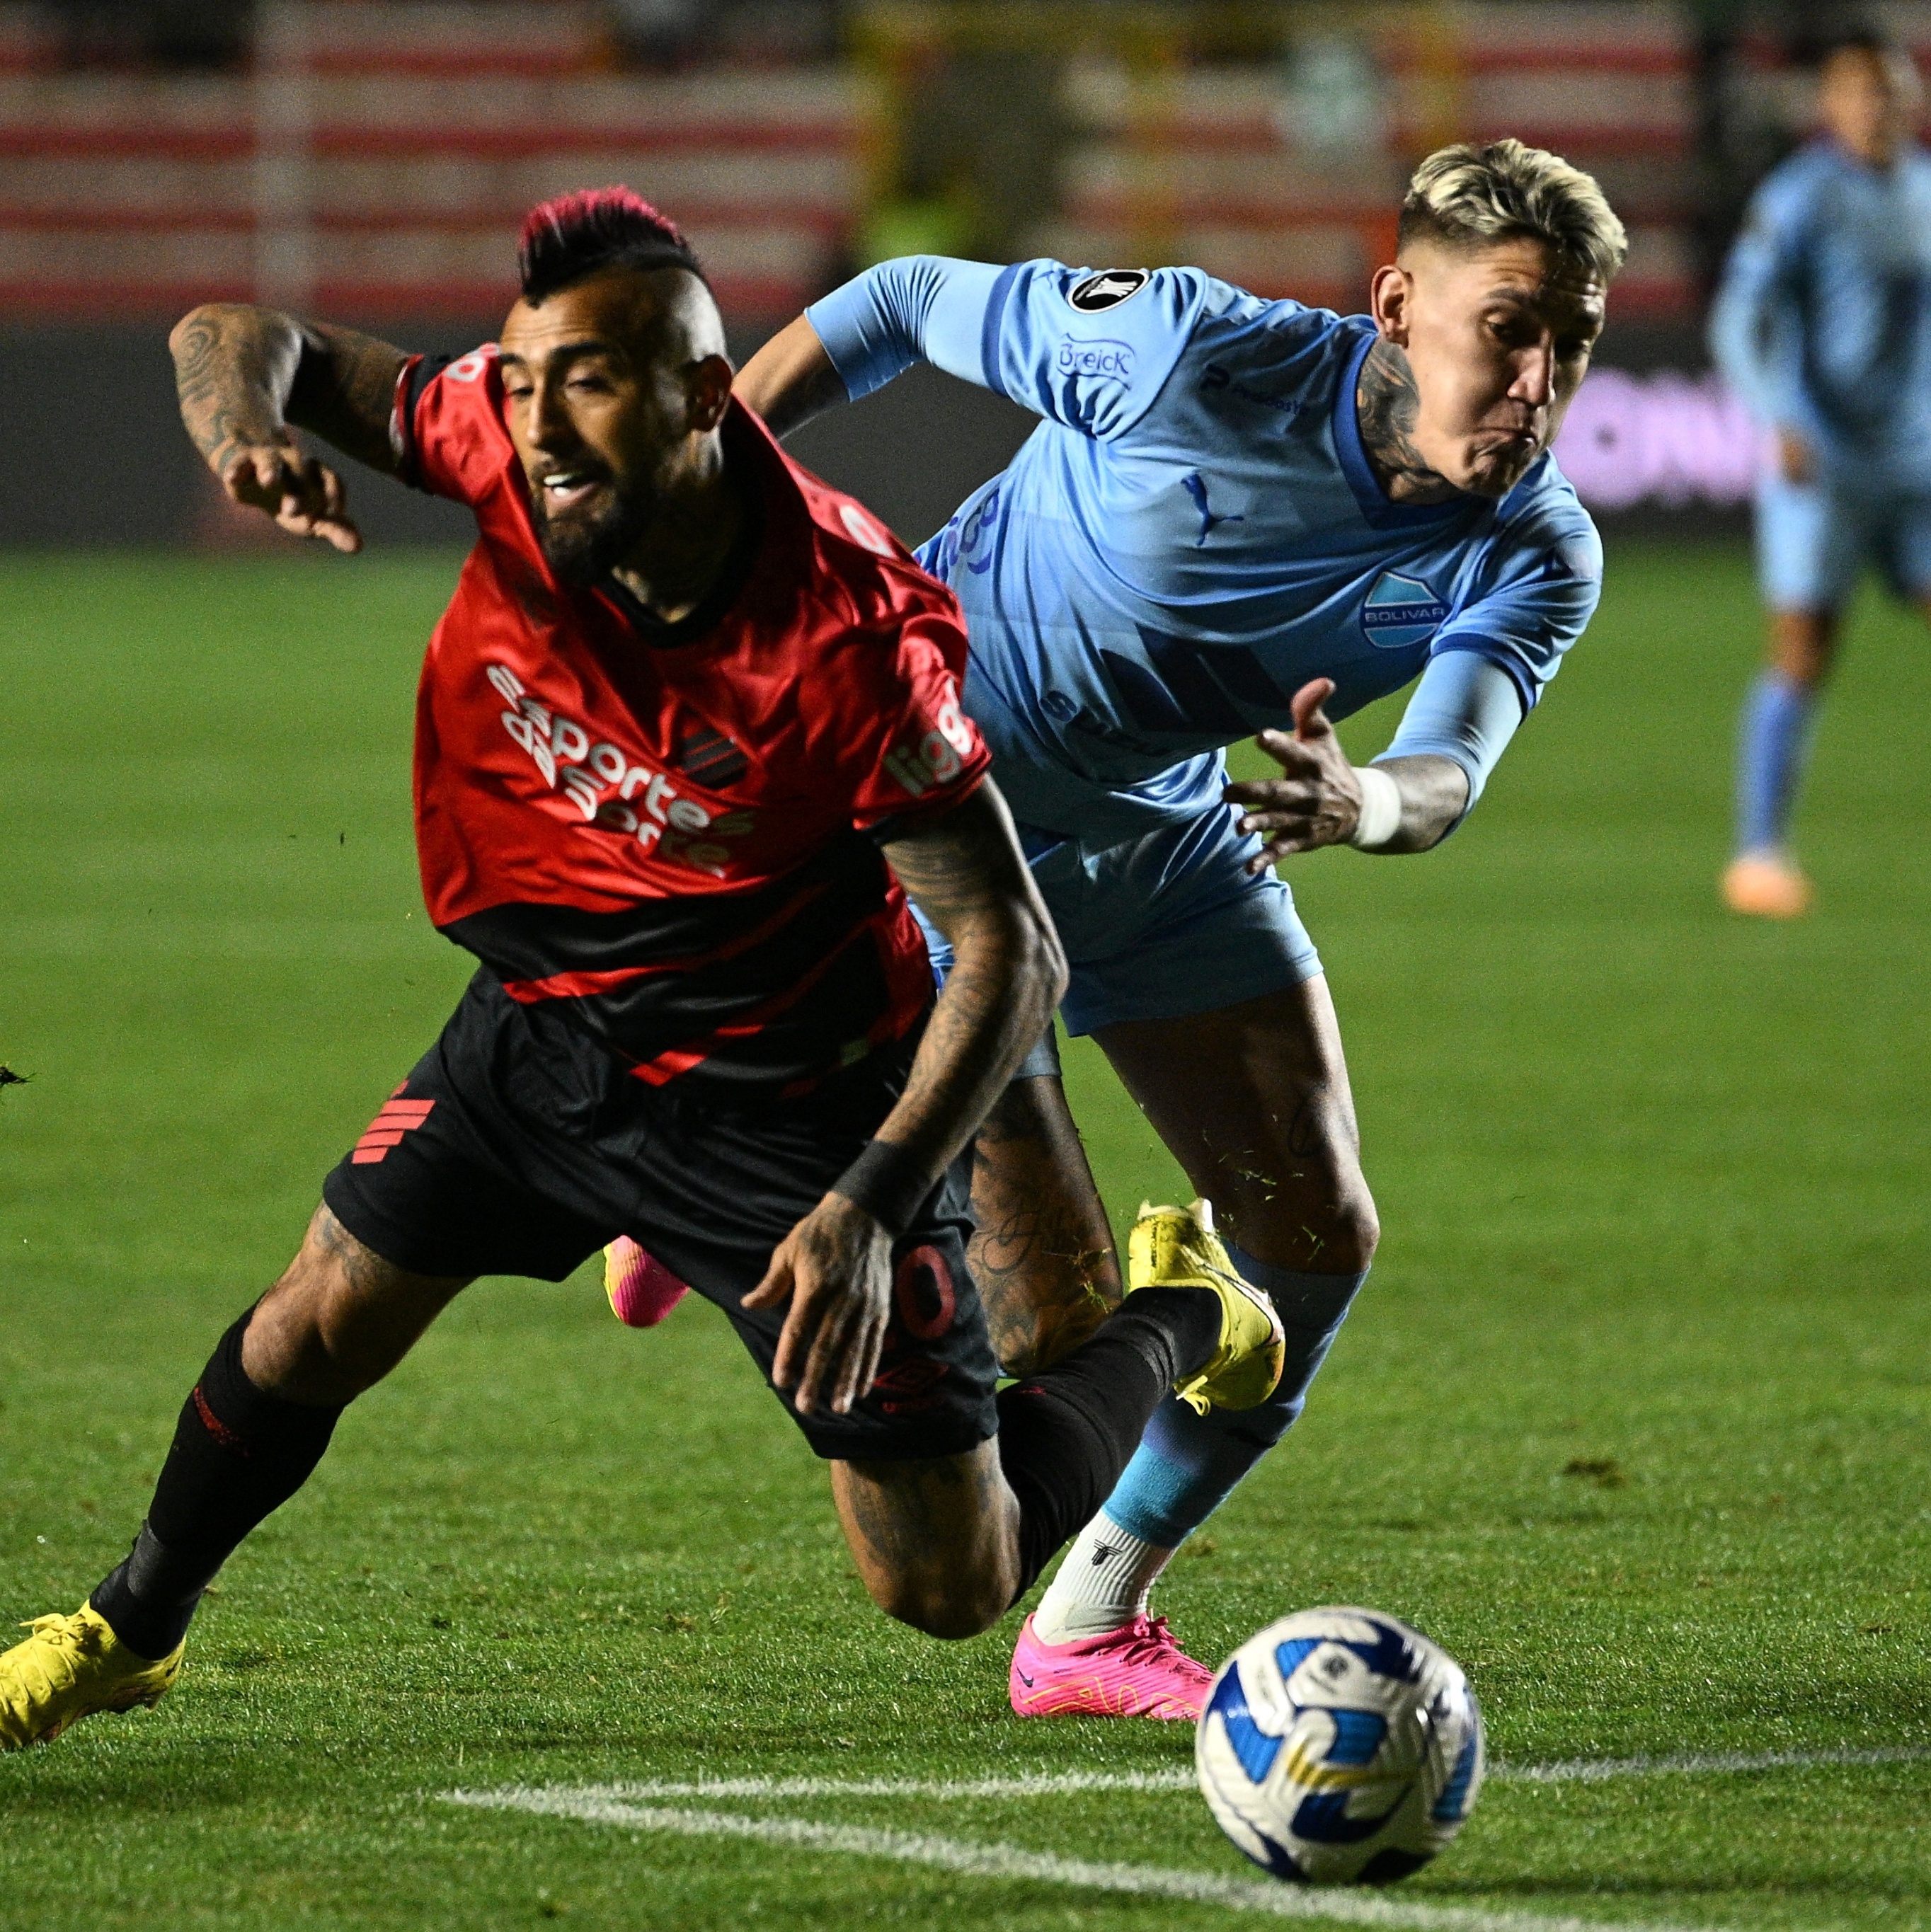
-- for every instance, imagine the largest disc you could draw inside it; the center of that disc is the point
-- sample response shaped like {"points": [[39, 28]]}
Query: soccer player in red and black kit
{"points": [[687, 734]]}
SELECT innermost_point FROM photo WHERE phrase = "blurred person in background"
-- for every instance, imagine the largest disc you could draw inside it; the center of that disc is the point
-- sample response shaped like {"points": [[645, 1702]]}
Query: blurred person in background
{"points": [[1822, 326]]}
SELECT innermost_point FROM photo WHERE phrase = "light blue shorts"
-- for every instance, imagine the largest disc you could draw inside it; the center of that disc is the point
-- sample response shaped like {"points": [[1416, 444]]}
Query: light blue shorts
{"points": [[1161, 926], [1814, 539]]}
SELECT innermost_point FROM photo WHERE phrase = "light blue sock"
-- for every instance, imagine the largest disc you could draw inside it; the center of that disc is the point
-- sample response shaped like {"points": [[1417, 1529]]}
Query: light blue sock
{"points": [[1187, 1465], [1772, 747]]}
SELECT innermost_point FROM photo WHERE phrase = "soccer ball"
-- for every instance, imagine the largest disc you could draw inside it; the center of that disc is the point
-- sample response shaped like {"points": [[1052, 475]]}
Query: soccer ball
{"points": [[1340, 1747]]}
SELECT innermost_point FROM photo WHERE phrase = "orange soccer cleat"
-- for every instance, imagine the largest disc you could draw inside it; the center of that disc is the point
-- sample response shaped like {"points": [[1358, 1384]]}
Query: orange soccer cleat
{"points": [[1766, 885]]}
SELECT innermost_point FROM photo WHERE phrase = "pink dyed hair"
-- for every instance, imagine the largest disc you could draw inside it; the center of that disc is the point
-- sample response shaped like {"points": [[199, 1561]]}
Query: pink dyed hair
{"points": [[578, 234]]}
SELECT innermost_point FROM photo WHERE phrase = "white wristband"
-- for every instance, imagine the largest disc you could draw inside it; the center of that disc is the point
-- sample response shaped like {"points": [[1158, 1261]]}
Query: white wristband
{"points": [[1380, 817]]}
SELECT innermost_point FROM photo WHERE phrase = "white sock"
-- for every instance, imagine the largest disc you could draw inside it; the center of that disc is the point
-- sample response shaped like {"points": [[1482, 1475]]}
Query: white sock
{"points": [[1102, 1584]]}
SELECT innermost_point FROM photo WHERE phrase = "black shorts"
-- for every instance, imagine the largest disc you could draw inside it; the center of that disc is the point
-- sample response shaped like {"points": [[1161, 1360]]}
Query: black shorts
{"points": [[521, 1146]]}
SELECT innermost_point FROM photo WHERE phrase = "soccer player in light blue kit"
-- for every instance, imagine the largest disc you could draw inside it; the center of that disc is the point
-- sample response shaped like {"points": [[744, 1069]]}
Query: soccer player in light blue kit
{"points": [[1823, 327], [1236, 516]]}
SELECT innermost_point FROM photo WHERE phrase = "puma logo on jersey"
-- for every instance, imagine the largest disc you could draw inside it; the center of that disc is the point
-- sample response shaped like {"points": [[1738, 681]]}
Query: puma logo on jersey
{"points": [[1195, 485]]}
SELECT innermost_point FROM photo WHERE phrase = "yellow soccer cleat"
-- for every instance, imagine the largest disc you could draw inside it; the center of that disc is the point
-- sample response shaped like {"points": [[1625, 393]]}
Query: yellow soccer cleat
{"points": [[69, 1669], [1176, 1247]]}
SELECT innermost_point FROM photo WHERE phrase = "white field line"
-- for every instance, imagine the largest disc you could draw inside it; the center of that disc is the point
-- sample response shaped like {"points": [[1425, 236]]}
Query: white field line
{"points": [[1591, 1770], [1030, 1784], [593, 1807]]}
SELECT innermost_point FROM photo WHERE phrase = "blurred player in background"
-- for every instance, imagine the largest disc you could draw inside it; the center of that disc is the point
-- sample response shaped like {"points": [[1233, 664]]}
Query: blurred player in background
{"points": [[1237, 516], [1823, 327]]}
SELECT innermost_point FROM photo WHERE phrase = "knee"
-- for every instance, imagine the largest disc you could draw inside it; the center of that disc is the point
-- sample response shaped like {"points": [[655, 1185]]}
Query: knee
{"points": [[1338, 1237], [1357, 1231], [951, 1609], [1802, 643]]}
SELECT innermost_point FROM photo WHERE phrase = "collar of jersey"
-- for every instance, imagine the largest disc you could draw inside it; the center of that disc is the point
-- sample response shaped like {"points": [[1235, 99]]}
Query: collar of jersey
{"points": [[1373, 500]]}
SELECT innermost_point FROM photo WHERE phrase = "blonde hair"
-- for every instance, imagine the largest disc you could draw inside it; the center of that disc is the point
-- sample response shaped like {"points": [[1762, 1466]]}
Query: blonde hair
{"points": [[1473, 194]]}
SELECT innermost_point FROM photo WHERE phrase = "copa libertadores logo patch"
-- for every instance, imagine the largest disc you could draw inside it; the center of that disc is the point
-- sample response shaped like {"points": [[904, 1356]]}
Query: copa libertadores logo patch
{"points": [[1401, 611], [1108, 290]]}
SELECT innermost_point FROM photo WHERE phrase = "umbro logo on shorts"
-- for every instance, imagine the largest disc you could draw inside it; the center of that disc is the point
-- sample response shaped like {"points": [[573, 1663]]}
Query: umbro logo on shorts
{"points": [[1108, 290], [386, 1130]]}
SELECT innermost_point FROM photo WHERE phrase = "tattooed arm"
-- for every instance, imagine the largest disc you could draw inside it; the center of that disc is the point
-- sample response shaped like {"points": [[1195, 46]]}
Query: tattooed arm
{"points": [[1042, 1256], [1386, 404], [966, 871], [247, 375]]}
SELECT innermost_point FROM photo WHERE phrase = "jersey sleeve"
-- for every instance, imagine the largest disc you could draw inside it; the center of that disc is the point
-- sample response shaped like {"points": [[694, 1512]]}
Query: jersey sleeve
{"points": [[923, 755], [1090, 350], [446, 408], [1757, 313], [1536, 600], [1466, 709]]}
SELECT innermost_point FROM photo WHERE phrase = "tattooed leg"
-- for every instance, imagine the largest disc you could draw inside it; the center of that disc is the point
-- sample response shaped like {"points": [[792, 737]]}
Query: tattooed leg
{"points": [[339, 1319], [936, 1541], [1043, 1257], [948, 1544]]}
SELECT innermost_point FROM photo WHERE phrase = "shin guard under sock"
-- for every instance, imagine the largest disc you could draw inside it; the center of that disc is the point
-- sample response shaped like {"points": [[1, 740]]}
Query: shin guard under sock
{"points": [[238, 1453], [1066, 1433], [1188, 1465]]}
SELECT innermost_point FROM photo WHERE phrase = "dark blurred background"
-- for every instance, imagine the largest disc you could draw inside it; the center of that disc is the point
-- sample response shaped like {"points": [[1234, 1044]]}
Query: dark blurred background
{"points": [[368, 160]]}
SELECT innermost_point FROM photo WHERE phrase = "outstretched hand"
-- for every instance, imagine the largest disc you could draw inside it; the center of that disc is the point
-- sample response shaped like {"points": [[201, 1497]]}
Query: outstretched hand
{"points": [[1316, 800], [304, 495], [836, 1266]]}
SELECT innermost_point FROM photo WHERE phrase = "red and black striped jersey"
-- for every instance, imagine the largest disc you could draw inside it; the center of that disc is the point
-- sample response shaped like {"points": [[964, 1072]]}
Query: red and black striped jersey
{"points": [[678, 835]]}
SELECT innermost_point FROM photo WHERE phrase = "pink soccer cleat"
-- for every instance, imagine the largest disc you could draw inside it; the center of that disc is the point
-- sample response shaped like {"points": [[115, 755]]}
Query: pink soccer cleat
{"points": [[642, 1290], [1137, 1671]]}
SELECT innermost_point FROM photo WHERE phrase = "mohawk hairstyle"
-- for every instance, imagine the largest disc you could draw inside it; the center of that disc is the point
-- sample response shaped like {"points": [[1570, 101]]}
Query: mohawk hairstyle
{"points": [[578, 235]]}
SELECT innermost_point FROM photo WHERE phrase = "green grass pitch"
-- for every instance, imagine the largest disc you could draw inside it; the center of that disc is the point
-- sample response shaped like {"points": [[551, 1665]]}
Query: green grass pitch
{"points": [[1633, 1418]]}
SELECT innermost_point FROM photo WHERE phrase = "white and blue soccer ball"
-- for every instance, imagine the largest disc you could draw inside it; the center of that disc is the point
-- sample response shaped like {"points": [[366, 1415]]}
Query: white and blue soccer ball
{"points": [[1340, 1747]]}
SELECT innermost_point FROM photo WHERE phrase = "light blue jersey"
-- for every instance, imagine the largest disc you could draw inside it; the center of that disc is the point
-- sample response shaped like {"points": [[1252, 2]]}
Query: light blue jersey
{"points": [[1823, 324], [1193, 532]]}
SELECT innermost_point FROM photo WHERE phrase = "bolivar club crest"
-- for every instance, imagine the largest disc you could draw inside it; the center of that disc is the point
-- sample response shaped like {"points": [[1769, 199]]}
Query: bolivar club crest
{"points": [[1401, 611]]}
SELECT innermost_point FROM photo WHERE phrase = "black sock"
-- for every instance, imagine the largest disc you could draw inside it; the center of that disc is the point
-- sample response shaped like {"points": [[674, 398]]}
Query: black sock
{"points": [[1066, 1433], [238, 1453]]}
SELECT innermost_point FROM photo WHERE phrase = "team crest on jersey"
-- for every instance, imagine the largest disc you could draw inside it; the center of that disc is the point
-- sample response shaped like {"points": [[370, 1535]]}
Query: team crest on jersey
{"points": [[1108, 290], [1401, 611]]}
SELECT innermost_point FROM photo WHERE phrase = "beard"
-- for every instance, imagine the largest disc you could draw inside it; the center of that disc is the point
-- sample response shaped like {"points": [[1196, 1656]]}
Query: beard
{"points": [[583, 546]]}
